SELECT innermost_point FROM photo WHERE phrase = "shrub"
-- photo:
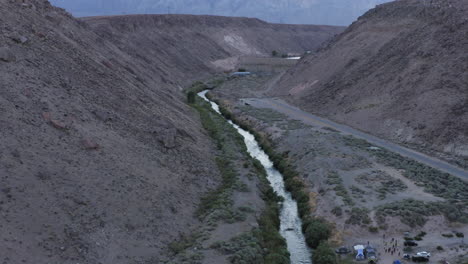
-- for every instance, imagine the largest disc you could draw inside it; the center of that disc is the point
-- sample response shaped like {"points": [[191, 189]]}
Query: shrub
{"points": [[337, 211], [197, 87], [448, 235], [440, 248], [244, 248], [324, 254], [183, 243], [459, 234], [340, 190], [274, 53], [241, 70], [191, 97], [421, 234], [359, 216], [373, 229], [315, 231]]}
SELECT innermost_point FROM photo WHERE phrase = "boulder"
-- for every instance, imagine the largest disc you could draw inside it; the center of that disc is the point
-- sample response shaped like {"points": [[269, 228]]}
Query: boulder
{"points": [[168, 138], [89, 144], [20, 39], [7, 55]]}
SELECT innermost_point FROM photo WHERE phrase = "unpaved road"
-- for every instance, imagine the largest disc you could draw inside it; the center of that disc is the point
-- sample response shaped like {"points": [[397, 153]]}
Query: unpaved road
{"points": [[310, 119]]}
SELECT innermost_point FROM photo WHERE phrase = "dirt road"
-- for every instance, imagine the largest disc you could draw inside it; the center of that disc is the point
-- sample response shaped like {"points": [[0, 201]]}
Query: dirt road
{"points": [[307, 118]]}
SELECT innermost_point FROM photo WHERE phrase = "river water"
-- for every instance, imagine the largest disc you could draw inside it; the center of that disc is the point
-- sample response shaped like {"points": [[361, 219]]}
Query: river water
{"points": [[291, 225]]}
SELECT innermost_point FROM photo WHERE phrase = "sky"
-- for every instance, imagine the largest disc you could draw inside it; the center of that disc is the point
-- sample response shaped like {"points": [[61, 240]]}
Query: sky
{"points": [[323, 12]]}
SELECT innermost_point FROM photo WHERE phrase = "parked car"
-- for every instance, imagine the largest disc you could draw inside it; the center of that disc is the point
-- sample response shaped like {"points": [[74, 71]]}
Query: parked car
{"points": [[342, 250], [423, 254], [419, 259], [410, 243]]}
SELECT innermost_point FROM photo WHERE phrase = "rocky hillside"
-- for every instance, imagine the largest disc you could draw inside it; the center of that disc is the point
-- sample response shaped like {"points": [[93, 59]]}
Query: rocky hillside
{"points": [[399, 72], [101, 161], [322, 12], [187, 46]]}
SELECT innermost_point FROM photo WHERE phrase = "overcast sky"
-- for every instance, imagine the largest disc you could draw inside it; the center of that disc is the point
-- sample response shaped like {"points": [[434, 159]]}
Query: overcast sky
{"points": [[327, 12]]}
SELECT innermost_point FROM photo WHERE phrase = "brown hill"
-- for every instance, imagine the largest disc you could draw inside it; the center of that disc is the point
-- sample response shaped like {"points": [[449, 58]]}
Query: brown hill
{"points": [[399, 72], [101, 161]]}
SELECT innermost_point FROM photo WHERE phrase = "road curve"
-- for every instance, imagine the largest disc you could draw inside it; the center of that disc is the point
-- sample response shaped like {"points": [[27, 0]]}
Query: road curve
{"points": [[308, 118]]}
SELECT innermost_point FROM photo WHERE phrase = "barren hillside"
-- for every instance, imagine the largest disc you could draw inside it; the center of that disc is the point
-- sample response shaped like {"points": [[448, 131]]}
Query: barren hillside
{"points": [[187, 46], [101, 161], [399, 72]]}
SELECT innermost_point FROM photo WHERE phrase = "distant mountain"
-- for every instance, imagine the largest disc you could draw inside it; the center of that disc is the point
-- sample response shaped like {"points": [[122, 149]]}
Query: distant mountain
{"points": [[326, 12]]}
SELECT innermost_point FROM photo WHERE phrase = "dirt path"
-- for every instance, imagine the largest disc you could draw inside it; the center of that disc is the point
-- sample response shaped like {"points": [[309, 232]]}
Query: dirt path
{"points": [[307, 118]]}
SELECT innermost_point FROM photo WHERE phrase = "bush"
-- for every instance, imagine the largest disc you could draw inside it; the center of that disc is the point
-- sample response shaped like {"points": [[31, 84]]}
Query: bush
{"points": [[440, 248], [244, 248], [274, 53], [337, 211], [197, 87], [359, 216], [340, 190], [422, 234], [373, 229], [183, 243], [241, 70], [191, 97], [459, 234], [324, 254], [448, 235], [315, 231]]}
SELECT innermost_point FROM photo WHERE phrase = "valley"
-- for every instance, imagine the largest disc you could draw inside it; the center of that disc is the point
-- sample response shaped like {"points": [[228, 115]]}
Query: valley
{"points": [[197, 139]]}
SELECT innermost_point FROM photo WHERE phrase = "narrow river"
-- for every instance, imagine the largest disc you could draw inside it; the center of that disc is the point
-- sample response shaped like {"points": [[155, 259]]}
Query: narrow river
{"points": [[291, 224]]}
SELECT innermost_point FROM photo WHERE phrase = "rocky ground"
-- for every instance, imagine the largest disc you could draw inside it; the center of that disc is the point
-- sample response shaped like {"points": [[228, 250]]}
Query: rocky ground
{"points": [[364, 193]]}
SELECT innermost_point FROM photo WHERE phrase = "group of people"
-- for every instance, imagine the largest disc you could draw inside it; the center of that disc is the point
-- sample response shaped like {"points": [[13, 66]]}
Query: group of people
{"points": [[391, 246]]}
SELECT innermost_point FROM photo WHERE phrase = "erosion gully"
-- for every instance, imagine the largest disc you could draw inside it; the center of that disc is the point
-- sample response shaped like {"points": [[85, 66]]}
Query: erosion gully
{"points": [[291, 224]]}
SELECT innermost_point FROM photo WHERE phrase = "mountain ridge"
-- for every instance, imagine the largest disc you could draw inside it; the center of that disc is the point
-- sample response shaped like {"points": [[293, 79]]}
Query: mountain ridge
{"points": [[334, 12]]}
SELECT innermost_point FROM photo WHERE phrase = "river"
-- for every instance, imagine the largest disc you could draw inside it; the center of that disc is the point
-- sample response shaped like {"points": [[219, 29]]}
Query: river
{"points": [[291, 224]]}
